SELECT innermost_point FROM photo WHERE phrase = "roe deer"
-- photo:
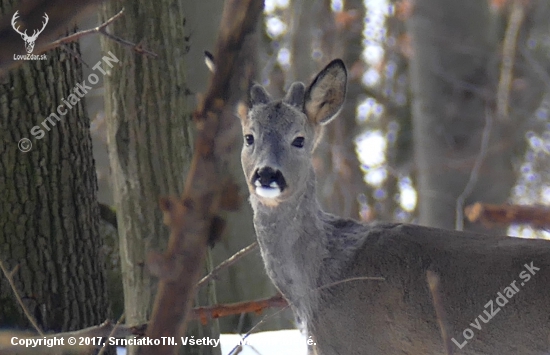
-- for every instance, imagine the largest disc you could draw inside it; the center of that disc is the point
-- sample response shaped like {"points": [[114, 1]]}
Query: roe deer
{"points": [[363, 288]]}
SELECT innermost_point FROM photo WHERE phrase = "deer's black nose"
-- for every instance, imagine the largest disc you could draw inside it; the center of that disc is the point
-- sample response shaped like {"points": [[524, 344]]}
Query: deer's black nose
{"points": [[267, 176]]}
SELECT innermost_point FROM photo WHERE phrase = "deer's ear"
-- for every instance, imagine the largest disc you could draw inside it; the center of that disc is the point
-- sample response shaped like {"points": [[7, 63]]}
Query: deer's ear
{"points": [[258, 95], [325, 96], [295, 95]]}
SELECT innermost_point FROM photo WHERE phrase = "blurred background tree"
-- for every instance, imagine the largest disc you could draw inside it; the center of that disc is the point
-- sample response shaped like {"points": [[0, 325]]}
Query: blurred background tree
{"points": [[421, 111], [448, 104]]}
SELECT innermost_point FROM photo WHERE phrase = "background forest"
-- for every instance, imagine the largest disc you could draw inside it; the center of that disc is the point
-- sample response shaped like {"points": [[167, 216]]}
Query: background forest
{"points": [[447, 106]]}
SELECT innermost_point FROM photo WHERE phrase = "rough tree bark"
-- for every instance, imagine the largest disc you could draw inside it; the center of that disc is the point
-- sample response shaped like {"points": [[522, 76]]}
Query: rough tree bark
{"points": [[49, 218], [149, 135]]}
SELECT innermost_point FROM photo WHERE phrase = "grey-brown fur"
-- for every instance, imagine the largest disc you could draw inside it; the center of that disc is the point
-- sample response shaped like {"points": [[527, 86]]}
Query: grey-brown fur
{"points": [[308, 252]]}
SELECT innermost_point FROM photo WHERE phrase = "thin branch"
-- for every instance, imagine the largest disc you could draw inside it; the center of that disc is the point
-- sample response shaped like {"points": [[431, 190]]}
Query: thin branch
{"points": [[474, 174], [358, 278], [267, 317], [76, 36], [227, 263], [14, 271], [504, 215], [19, 300], [224, 310], [138, 48], [508, 57], [101, 29], [111, 334]]}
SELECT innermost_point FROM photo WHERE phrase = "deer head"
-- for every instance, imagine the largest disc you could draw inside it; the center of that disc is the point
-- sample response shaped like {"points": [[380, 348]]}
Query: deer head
{"points": [[280, 136], [29, 40]]}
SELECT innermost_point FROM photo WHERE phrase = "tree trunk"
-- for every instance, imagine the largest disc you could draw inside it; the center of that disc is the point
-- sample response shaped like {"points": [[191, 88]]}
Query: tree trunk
{"points": [[393, 94], [452, 75], [49, 219], [149, 135], [339, 176], [341, 135]]}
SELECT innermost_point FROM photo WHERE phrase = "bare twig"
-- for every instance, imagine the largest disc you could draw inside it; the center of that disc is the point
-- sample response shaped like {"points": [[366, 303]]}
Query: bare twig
{"points": [[238, 348], [227, 263], [138, 48], [504, 215], [350, 279], [217, 311], [111, 334], [474, 174], [19, 300], [508, 56], [76, 36], [332, 284], [101, 29]]}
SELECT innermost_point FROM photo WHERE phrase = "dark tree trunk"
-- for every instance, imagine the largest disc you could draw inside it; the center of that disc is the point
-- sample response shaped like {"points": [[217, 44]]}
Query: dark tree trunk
{"points": [[149, 133], [49, 213]]}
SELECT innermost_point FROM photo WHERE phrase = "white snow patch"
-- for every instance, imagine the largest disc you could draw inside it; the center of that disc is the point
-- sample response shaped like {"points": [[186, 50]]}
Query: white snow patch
{"points": [[288, 342]]}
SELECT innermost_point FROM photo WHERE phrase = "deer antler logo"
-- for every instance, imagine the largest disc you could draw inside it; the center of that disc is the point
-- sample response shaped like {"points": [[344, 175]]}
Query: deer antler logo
{"points": [[29, 40]]}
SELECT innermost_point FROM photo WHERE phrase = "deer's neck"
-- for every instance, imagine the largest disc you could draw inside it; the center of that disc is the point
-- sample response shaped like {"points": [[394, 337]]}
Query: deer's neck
{"points": [[294, 245]]}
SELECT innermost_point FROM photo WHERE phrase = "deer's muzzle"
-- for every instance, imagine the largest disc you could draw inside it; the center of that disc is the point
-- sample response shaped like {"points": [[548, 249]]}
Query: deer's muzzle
{"points": [[268, 182]]}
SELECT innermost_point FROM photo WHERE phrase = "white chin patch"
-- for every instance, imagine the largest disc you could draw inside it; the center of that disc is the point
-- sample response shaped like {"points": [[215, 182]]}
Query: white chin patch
{"points": [[270, 191]]}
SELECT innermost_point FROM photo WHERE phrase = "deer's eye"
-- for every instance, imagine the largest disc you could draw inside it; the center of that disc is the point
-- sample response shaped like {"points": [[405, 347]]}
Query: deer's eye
{"points": [[298, 142], [249, 139]]}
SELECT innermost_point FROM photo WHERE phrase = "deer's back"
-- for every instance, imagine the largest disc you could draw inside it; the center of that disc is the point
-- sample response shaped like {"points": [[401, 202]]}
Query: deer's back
{"points": [[397, 315]]}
